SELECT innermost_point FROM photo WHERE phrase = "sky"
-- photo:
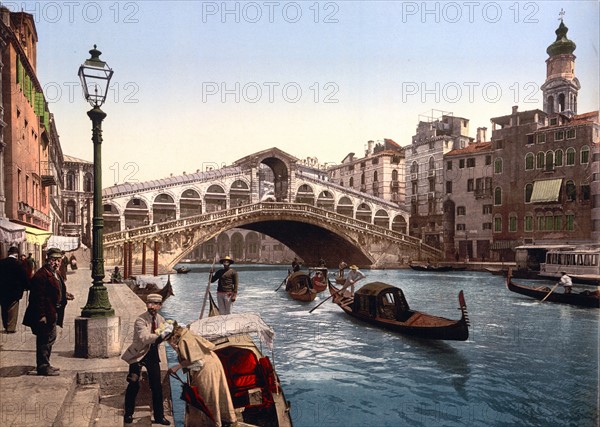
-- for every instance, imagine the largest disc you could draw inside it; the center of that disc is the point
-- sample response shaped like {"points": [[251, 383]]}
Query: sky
{"points": [[201, 84]]}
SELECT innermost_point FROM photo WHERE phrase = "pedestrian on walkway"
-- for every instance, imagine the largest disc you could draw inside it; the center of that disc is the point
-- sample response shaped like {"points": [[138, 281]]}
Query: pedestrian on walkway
{"points": [[143, 352], [227, 288], [46, 310], [13, 281], [31, 265]]}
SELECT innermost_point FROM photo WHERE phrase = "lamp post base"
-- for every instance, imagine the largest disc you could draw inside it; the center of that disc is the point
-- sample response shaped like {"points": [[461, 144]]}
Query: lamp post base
{"points": [[97, 338], [98, 304]]}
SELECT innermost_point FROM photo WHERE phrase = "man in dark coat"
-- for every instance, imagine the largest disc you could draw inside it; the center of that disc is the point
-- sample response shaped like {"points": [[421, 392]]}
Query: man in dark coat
{"points": [[13, 280], [46, 309]]}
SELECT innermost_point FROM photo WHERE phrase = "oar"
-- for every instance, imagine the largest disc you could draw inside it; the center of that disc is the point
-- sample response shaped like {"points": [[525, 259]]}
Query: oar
{"points": [[551, 290], [318, 305], [284, 280], [210, 274]]}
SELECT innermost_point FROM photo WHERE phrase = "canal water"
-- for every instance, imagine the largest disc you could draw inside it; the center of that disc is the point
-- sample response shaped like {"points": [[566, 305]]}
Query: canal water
{"points": [[526, 363]]}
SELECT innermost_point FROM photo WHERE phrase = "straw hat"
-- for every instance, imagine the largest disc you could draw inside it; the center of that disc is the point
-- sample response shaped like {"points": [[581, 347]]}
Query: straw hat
{"points": [[227, 258], [353, 267]]}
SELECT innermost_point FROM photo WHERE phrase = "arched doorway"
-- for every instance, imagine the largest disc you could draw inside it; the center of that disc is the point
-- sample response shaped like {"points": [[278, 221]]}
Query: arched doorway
{"points": [[345, 207], [363, 212], [215, 198], [112, 219], [163, 208], [305, 194], [382, 218], [136, 213], [239, 194], [325, 201], [399, 224], [190, 203]]}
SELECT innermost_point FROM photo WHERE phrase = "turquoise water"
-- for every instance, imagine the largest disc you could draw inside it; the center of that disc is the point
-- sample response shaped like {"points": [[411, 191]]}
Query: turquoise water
{"points": [[526, 363]]}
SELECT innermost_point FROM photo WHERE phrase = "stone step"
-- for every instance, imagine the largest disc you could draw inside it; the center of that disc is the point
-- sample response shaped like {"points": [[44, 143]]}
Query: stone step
{"points": [[82, 409]]}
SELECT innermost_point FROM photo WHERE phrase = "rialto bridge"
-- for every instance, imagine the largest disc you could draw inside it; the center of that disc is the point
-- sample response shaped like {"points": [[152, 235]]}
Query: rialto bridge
{"points": [[268, 192]]}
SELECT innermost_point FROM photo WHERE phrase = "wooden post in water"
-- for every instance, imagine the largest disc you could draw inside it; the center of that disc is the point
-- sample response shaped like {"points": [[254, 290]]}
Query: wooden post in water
{"points": [[156, 257], [144, 257], [125, 263]]}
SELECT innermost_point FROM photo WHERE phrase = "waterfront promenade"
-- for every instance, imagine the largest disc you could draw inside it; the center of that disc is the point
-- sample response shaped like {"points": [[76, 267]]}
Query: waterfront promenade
{"points": [[88, 392]]}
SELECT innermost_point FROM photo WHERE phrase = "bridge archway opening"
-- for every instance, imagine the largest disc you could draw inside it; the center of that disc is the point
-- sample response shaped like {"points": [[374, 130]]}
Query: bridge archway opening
{"points": [[112, 218], [345, 207], [163, 208], [223, 245], [381, 218], [136, 213], [305, 194], [363, 212], [237, 246], [215, 198], [239, 194], [325, 201], [279, 175], [399, 224], [190, 203]]}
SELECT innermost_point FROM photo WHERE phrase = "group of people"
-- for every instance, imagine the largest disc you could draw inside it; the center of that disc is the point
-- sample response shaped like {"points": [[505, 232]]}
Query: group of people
{"points": [[196, 357], [48, 298]]}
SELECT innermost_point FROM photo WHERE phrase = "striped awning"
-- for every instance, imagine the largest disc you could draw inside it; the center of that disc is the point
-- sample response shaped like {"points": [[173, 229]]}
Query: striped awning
{"points": [[11, 233], [36, 236], [546, 191], [65, 243]]}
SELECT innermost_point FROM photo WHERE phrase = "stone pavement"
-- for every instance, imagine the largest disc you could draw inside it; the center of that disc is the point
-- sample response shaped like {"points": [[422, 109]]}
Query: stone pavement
{"points": [[88, 392]]}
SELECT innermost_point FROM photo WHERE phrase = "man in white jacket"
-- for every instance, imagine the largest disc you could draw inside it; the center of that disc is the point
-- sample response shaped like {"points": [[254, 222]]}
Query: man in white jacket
{"points": [[143, 351]]}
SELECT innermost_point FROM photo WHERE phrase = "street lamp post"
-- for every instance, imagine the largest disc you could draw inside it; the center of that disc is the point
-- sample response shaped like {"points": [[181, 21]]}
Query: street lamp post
{"points": [[95, 76]]}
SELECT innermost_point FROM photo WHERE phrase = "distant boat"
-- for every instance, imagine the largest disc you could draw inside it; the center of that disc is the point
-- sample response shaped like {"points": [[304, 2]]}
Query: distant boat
{"points": [[143, 288], [182, 270], [429, 267], [299, 286]]}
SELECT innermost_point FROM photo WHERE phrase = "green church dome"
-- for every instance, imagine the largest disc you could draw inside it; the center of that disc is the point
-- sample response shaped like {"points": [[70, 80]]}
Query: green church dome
{"points": [[562, 44]]}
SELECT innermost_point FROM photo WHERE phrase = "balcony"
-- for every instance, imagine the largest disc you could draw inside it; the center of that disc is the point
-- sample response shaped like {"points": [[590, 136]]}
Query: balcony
{"points": [[47, 176], [483, 193]]}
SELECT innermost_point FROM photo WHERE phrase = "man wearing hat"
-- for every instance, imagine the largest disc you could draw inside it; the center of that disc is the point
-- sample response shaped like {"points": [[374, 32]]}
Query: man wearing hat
{"points": [[143, 351], [353, 276], [47, 301], [13, 280], [228, 285]]}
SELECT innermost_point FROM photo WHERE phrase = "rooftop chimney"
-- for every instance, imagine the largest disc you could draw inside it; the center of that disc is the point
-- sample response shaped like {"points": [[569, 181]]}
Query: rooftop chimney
{"points": [[370, 147], [481, 134]]}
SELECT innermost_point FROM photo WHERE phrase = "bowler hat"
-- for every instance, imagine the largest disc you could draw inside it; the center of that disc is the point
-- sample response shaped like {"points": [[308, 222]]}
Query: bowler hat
{"points": [[154, 298], [13, 250], [54, 253], [227, 258]]}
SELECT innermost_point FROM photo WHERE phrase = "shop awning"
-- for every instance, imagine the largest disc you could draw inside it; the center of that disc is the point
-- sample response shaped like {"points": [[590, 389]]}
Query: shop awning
{"points": [[11, 233], [65, 243], [36, 236], [546, 191], [504, 244]]}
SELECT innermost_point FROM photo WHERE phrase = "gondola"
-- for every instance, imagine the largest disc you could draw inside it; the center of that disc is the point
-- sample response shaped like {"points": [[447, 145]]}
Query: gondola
{"points": [[182, 270], [254, 385], [581, 299], [385, 306], [299, 287], [142, 289], [429, 267]]}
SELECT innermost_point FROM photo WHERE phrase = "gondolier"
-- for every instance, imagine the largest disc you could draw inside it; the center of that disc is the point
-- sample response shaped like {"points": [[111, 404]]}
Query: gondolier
{"points": [[227, 288]]}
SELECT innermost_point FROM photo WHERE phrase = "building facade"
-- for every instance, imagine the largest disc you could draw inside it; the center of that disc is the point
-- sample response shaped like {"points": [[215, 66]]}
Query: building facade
{"points": [[436, 136], [28, 134], [544, 172], [78, 198]]}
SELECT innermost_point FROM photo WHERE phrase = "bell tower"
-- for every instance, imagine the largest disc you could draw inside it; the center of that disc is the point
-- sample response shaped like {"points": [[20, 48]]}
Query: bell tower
{"points": [[561, 86]]}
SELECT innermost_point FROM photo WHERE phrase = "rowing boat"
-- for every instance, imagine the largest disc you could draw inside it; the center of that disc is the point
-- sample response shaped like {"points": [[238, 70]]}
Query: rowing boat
{"points": [[582, 299], [385, 306]]}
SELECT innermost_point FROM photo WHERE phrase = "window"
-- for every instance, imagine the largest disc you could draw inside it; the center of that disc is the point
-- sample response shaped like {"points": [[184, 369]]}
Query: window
{"points": [[570, 133], [512, 223], [498, 196], [488, 160], [570, 221], [461, 210], [487, 209], [499, 144], [528, 192], [528, 223], [432, 184], [571, 191], [570, 156], [558, 158], [558, 222], [70, 181], [541, 222], [460, 227], [470, 184], [529, 158], [471, 162], [431, 164], [541, 138], [461, 164], [375, 161], [351, 183], [584, 155], [498, 166], [585, 192], [549, 161], [394, 175], [554, 120], [448, 187], [549, 221], [498, 224], [539, 164], [414, 168], [486, 226], [449, 165], [559, 135], [375, 177]]}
